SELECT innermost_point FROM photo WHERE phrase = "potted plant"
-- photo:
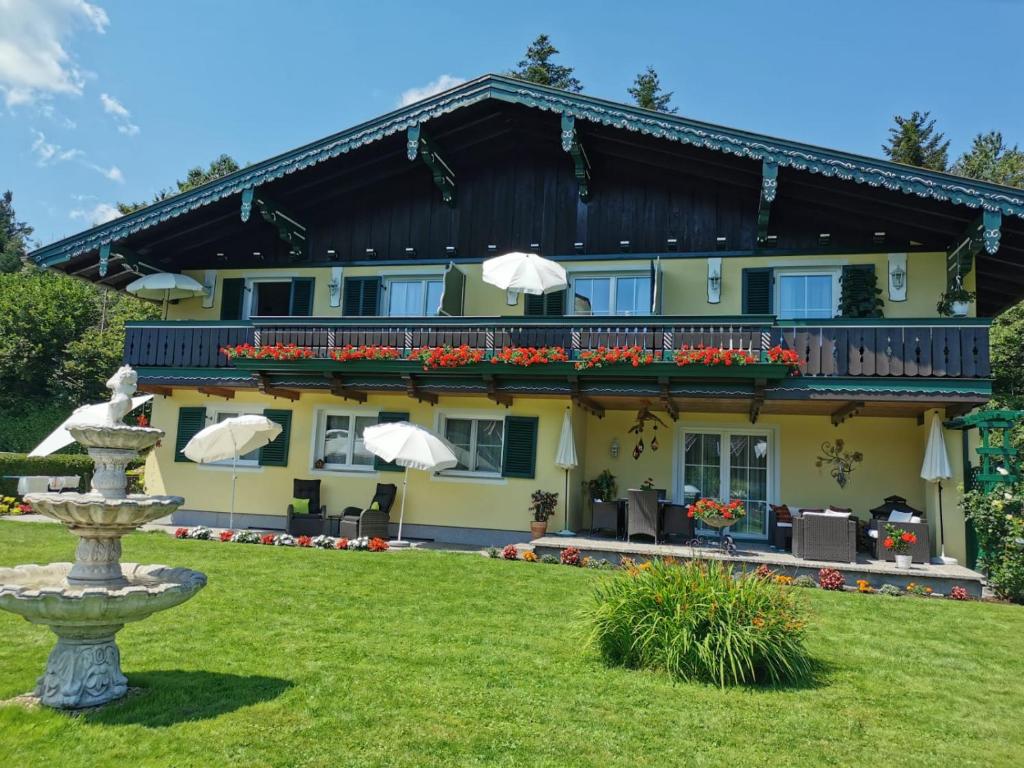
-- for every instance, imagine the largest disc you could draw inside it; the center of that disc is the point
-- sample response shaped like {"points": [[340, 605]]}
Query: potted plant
{"points": [[603, 487], [647, 485], [899, 541], [955, 302], [717, 514], [542, 506]]}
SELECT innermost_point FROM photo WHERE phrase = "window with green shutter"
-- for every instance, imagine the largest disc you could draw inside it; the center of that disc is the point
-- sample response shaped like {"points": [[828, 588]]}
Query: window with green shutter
{"points": [[758, 286], [388, 417], [190, 421], [520, 456], [549, 305], [361, 297], [231, 293], [275, 453], [302, 297]]}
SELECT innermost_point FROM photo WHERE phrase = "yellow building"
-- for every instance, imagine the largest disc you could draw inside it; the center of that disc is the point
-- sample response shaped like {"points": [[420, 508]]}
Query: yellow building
{"points": [[675, 235]]}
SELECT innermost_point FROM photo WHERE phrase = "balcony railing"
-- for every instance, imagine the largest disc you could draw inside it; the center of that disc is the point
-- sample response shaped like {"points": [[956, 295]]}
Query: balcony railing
{"points": [[925, 348]]}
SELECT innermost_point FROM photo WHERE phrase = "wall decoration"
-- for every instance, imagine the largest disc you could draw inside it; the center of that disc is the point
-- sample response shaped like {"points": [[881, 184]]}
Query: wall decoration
{"points": [[841, 462], [897, 277]]}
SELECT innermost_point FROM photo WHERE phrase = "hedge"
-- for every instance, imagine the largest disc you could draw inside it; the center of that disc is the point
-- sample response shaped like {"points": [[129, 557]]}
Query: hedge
{"points": [[55, 464]]}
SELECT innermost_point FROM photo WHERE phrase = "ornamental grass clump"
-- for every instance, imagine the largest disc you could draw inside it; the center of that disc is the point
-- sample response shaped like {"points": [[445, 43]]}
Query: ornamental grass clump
{"points": [[700, 621]]}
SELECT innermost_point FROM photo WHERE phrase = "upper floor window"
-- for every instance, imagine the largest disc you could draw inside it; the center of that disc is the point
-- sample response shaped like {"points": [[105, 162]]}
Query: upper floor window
{"points": [[807, 294], [611, 294], [414, 297], [267, 297], [271, 298], [478, 444]]}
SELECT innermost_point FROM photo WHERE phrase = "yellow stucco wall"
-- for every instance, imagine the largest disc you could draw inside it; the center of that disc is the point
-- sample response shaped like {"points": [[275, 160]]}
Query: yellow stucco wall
{"points": [[684, 284]]}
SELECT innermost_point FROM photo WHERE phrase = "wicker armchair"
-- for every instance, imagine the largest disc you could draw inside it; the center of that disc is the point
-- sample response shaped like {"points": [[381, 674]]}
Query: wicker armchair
{"points": [[825, 537], [604, 516], [642, 518], [355, 522], [676, 523], [313, 523], [920, 552]]}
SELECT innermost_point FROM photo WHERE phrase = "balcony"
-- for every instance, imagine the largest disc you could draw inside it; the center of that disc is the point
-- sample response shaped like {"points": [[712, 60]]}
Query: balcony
{"points": [[929, 348]]}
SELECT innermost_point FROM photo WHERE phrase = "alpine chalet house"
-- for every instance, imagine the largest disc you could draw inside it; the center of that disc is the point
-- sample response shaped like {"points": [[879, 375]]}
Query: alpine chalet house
{"points": [[798, 286]]}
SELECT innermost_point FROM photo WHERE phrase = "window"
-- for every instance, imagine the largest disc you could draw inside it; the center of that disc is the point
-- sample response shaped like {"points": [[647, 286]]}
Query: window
{"points": [[807, 295], [478, 444], [250, 459], [340, 441], [611, 295], [413, 297], [273, 299]]}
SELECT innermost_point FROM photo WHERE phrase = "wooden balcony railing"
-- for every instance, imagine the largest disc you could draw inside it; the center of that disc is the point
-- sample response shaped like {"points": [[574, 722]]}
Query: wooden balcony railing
{"points": [[827, 348]]}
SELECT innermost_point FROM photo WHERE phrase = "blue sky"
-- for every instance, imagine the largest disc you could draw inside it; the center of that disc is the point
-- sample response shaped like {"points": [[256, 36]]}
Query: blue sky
{"points": [[112, 100]]}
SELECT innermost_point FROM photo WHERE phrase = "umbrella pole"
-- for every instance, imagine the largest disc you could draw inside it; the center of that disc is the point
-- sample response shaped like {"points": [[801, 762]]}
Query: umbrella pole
{"points": [[234, 477], [166, 293], [401, 512], [942, 529]]}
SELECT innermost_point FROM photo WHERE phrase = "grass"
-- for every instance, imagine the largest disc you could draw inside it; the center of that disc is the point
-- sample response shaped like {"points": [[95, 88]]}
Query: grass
{"points": [[316, 658]]}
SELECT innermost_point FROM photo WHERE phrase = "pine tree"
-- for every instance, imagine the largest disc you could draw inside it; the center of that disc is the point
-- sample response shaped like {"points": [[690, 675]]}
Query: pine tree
{"points": [[195, 177], [537, 67], [989, 159], [914, 141], [14, 235], [647, 93]]}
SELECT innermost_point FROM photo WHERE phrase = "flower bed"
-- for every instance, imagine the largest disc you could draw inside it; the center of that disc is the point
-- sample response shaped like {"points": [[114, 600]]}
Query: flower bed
{"points": [[634, 356], [282, 539], [446, 356], [363, 352], [276, 352], [527, 356]]}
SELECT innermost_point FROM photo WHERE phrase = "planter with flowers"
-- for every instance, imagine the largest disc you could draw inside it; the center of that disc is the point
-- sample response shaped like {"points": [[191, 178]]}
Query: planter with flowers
{"points": [[542, 507], [716, 514], [899, 541], [634, 356], [527, 356], [446, 356], [371, 352]]}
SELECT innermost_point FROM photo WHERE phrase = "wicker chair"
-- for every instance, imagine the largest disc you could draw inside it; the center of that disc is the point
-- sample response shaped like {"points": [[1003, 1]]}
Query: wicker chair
{"points": [[604, 516], [643, 514], [825, 537], [313, 523], [676, 523], [356, 522], [920, 552]]}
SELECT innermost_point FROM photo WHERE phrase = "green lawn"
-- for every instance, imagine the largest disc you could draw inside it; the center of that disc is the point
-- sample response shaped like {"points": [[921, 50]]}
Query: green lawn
{"points": [[312, 658]]}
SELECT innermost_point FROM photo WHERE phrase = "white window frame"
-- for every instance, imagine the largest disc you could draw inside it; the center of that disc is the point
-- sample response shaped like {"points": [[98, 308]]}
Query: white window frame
{"points": [[320, 427], [779, 273], [233, 410], [388, 280], [250, 291], [613, 278], [475, 417]]}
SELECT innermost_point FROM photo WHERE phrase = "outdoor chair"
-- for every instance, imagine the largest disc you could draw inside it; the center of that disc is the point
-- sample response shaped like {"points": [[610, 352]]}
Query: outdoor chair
{"points": [[642, 517], [780, 527], [676, 523], [825, 536], [604, 516], [355, 522], [920, 551], [311, 524]]}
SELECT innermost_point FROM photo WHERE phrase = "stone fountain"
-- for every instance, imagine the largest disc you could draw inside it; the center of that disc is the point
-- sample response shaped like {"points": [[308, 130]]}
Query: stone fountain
{"points": [[86, 603]]}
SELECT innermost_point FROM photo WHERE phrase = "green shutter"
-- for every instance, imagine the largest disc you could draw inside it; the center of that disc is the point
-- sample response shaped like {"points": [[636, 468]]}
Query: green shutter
{"points": [[519, 458], [758, 284], [859, 295], [550, 304], [302, 297], [387, 417], [361, 297], [190, 421], [232, 290], [275, 453]]}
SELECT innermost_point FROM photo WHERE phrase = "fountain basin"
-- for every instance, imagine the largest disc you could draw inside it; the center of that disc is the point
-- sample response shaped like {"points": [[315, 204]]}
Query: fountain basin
{"points": [[121, 437], [99, 514]]}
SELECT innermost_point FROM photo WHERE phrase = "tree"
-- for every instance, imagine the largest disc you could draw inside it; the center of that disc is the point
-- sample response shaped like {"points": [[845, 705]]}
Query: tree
{"points": [[914, 141], [646, 92], [14, 235], [195, 177], [537, 67], [989, 159]]}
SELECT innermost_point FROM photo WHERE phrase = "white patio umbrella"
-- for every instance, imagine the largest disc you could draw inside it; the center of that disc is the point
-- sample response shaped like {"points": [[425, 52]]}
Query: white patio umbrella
{"points": [[166, 286], [566, 459], [524, 273], [60, 437], [410, 446], [230, 439], [935, 469]]}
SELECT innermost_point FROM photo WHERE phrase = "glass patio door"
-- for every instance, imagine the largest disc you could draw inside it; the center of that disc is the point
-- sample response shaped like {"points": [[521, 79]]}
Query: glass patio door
{"points": [[727, 465]]}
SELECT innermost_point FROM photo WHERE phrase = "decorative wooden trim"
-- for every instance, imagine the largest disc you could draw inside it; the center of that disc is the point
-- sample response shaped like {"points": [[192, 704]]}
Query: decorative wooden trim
{"points": [[495, 394], [265, 387], [340, 389], [757, 401], [582, 400], [580, 162], [288, 227], [224, 392], [412, 389], [419, 144], [156, 389], [666, 400], [769, 188], [847, 411]]}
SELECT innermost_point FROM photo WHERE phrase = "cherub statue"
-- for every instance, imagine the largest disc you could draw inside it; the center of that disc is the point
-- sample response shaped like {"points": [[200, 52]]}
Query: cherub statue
{"points": [[123, 385]]}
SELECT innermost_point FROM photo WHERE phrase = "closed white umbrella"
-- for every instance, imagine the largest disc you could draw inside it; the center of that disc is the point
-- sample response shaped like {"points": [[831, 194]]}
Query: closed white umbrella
{"points": [[566, 459], [935, 469], [409, 446], [60, 437], [230, 439], [166, 286], [525, 273]]}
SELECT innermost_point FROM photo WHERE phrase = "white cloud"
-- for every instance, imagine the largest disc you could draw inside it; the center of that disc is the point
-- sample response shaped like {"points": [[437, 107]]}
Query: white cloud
{"points": [[434, 87], [100, 213], [48, 153], [34, 62], [120, 113], [113, 172]]}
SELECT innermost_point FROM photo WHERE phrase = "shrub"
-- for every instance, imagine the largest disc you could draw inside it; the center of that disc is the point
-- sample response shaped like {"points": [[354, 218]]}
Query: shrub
{"points": [[998, 518], [54, 464], [493, 552], [958, 593], [284, 540], [864, 587], [226, 535], [597, 563], [323, 542], [180, 533], [570, 556], [341, 544], [805, 581], [763, 572], [200, 532], [698, 621], [890, 590], [830, 579], [920, 590], [510, 552], [304, 541], [246, 537], [267, 538], [549, 560], [529, 556], [378, 544], [785, 581]]}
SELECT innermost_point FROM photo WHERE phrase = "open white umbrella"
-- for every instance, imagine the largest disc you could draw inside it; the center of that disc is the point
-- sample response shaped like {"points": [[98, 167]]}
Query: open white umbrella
{"points": [[60, 437], [566, 459], [166, 286], [935, 469], [230, 439], [525, 273], [409, 446]]}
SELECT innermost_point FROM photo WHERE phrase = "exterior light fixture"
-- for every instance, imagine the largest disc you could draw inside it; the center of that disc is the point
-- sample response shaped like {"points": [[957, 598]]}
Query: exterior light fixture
{"points": [[492, 248], [578, 246], [624, 245], [771, 240], [334, 287], [371, 253], [898, 277], [613, 449], [720, 242], [534, 246], [672, 244], [410, 252], [449, 250], [878, 238], [824, 238]]}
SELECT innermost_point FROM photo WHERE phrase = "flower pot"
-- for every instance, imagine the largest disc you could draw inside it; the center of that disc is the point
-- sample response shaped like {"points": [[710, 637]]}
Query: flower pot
{"points": [[719, 522], [959, 308], [538, 529], [903, 562]]}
